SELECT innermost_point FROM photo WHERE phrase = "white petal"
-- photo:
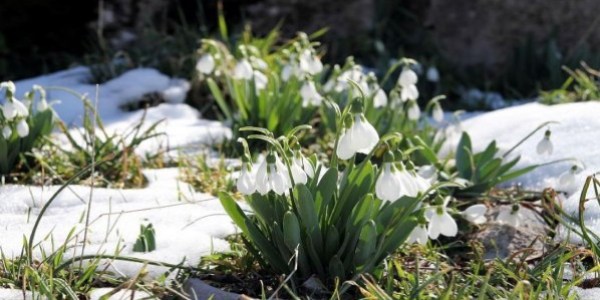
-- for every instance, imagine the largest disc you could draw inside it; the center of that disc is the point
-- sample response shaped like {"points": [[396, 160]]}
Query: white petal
{"points": [[438, 113], [409, 93], [418, 235], [380, 99], [9, 110], [363, 135], [434, 229], [308, 168], [344, 149], [260, 80], [243, 70], [287, 72], [475, 214], [448, 225], [408, 77], [262, 180], [206, 64], [298, 174], [545, 146], [414, 112], [6, 132], [22, 128], [387, 186], [245, 183]]}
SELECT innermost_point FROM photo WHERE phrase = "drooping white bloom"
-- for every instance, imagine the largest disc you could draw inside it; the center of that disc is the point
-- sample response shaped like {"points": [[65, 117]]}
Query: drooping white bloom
{"points": [[6, 132], [14, 108], [310, 95], [422, 184], [298, 173], [437, 113], [306, 165], [388, 185], [42, 105], [287, 72], [410, 185], [409, 93], [414, 112], [511, 216], [418, 235], [260, 81], [206, 64], [475, 214], [433, 74], [9, 86], [440, 221], [353, 74], [545, 145], [428, 172], [360, 137], [270, 176], [245, 183], [310, 63], [243, 70], [380, 99], [407, 77], [567, 180], [258, 63], [408, 81], [22, 128]]}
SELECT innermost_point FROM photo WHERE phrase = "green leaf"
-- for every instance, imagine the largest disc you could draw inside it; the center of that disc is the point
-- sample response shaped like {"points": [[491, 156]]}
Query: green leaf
{"points": [[463, 156], [291, 230], [234, 211], [366, 244], [216, 92]]}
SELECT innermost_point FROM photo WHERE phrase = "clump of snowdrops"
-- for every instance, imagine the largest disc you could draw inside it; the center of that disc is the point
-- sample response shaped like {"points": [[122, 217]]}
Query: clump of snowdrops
{"points": [[24, 124], [339, 221]]}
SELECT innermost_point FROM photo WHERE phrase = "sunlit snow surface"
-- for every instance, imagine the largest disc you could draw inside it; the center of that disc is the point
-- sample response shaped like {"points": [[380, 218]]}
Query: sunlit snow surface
{"points": [[575, 136]]}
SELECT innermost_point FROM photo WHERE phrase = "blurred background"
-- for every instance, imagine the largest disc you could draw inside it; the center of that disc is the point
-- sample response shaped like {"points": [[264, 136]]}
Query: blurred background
{"points": [[513, 48]]}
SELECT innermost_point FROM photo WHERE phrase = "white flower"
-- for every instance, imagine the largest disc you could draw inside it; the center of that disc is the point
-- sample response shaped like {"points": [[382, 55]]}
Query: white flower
{"points": [[298, 173], [259, 63], [568, 181], [260, 81], [511, 216], [245, 183], [408, 81], [287, 72], [22, 128], [380, 99], [428, 172], [475, 214], [388, 183], [433, 74], [14, 108], [42, 105], [414, 112], [206, 64], [545, 145], [310, 63], [440, 221], [6, 132], [310, 95], [243, 70], [9, 85], [407, 77], [270, 176], [418, 235], [306, 165], [410, 184], [437, 113], [360, 137]]}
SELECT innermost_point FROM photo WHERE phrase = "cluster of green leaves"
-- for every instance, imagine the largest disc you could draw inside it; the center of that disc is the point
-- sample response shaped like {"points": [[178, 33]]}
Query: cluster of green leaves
{"points": [[145, 241], [581, 85]]}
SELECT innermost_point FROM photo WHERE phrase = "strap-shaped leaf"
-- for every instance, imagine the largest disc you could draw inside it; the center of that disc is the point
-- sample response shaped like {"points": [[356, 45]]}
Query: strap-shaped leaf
{"points": [[463, 156]]}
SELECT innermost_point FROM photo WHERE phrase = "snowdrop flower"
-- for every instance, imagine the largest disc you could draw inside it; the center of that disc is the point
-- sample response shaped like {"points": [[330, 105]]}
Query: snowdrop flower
{"points": [[512, 216], [42, 105], [433, 74], [298, 173], [380, 99], [245, 183], [287, 72], [306, 165], [14, 108], [259, 63], [387, 186], [437, 113], [206, 64], [475, 214], [408, 81], [545, 145], [428, 172], [411, 183], [271, 177], [260, 81], [243, 70], [22, 128], [440, 221], [414, 112], [310, 95], [310, 63], [418, 235], [9, 86], [568, 180], [6, 132], [360, 137]]}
